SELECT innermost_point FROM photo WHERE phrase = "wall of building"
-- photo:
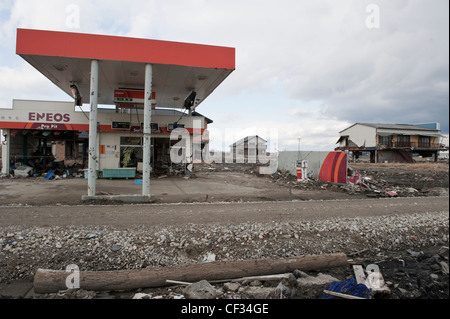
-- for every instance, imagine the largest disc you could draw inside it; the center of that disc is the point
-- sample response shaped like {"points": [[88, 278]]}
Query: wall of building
{"points": [[396, 156], [361, 135], [38, 116], [64, 113], [287, 161]]}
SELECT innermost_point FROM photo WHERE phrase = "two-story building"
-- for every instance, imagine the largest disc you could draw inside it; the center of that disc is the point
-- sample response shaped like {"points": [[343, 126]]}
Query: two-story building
{"points": [[392, 142], [249, 146]]}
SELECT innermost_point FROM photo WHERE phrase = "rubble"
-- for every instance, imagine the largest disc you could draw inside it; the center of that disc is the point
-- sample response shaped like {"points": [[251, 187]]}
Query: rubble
{"points": [[403, 180], [379, 181]]}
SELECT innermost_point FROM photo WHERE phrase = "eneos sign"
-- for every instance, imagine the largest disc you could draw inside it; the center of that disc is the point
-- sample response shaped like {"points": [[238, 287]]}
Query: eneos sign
{"points": [[49, 117]]}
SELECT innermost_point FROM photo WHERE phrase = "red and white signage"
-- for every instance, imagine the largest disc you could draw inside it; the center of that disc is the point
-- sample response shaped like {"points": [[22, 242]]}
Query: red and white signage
{"points": [[126, 97]]}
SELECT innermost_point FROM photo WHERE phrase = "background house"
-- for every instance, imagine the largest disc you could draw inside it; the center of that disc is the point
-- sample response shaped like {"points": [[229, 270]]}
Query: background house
{"points": [[392, 142], [249, 146]]}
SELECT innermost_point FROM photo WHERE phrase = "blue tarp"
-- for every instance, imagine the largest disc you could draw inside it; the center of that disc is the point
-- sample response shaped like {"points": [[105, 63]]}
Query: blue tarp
{"points": [[348, 287]]}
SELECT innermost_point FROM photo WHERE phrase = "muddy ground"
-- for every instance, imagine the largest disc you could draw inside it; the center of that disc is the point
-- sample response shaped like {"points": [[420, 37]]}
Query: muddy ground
{"points": [[233, 182]]}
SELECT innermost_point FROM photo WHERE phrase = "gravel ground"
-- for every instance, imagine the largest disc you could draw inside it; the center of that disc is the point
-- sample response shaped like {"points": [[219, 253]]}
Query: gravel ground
{"points": [[24, 249], [408, 247]]}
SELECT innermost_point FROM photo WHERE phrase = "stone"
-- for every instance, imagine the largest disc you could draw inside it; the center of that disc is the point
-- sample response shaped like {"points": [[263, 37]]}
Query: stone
{"points": [[283, 290], [231, 286], [116, 247], [201, 290], [142, 296], [258, 292], [321, 279]]}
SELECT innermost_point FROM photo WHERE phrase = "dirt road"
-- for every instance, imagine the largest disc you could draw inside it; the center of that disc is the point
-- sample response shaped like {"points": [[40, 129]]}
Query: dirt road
{"points": [[204, 213]]}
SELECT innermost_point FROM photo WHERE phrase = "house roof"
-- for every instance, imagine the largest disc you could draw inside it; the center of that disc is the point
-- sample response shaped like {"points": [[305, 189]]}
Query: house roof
{"points": [[398, 126], [246, 139], [386, 126]]}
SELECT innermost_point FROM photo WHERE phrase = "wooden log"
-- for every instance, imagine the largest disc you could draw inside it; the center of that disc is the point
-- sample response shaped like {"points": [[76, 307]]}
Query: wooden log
{"points": [[341, 295], [48, 281]]}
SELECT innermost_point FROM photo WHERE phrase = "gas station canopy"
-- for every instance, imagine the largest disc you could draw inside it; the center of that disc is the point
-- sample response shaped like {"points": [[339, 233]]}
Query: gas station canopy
{"points": [[178, 68]]}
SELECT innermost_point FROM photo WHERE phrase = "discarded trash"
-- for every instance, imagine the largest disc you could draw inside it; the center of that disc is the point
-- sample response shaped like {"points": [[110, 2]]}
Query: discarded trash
{"points": [[391, 193], [348, 287], [49, 174], [23, 171], [209, 257], [374, 280], [355, 178]]}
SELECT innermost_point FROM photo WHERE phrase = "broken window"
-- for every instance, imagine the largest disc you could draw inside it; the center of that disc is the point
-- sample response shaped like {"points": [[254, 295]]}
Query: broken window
{"points": [[386, 140], [130, 151]]}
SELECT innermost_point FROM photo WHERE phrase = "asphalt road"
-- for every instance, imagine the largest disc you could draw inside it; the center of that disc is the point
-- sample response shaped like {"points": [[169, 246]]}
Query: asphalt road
{"points": [[204, 213]]}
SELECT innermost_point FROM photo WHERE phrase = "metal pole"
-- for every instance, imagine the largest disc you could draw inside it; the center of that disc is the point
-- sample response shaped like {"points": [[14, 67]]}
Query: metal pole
{"points": [[147, 130], [92, 164], [6, 147]]}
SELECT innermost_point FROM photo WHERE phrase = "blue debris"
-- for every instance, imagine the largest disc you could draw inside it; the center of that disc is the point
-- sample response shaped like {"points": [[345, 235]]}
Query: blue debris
{"points": [[49, 174], [348, 287]]}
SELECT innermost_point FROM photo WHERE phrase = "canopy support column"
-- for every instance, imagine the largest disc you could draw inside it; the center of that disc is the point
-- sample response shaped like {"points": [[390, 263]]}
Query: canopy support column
{"points": [[92, 164], [147, 130], [6, 147]]}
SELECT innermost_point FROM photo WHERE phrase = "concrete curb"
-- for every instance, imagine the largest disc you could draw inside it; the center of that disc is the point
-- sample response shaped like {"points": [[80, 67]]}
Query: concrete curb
{"points": [[121, 198]]}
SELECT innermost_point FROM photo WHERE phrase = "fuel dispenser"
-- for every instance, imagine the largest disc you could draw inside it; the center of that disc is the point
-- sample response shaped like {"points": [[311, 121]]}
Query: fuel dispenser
{"points": [[301, 169]]}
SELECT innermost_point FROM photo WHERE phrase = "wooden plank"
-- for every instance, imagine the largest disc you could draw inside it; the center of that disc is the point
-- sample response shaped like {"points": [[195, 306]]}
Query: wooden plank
{"points": [[176, 282], [338, 294], [359, 274]]}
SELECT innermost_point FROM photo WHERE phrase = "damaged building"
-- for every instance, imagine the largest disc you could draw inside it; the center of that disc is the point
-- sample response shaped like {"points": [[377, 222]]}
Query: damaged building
{"points": [[139, 91], [53, 135], [393, 143]]}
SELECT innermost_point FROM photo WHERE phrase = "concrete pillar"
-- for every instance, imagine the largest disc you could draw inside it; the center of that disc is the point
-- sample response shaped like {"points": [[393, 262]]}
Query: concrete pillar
{"points": [[6, 147], [92, 164], [147, 131]]}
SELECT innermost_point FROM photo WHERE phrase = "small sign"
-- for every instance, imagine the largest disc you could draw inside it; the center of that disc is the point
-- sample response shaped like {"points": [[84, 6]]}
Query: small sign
{"points": [[120, 125]]}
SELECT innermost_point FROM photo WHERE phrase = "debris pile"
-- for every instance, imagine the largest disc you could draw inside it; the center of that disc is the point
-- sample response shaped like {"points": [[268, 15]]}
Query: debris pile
{"points": [[371, 184], [57, 171], [375, 188]]}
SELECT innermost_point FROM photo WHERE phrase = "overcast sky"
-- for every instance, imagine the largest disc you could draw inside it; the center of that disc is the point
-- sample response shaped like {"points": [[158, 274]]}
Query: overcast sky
{"points": [[306, 69]]}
